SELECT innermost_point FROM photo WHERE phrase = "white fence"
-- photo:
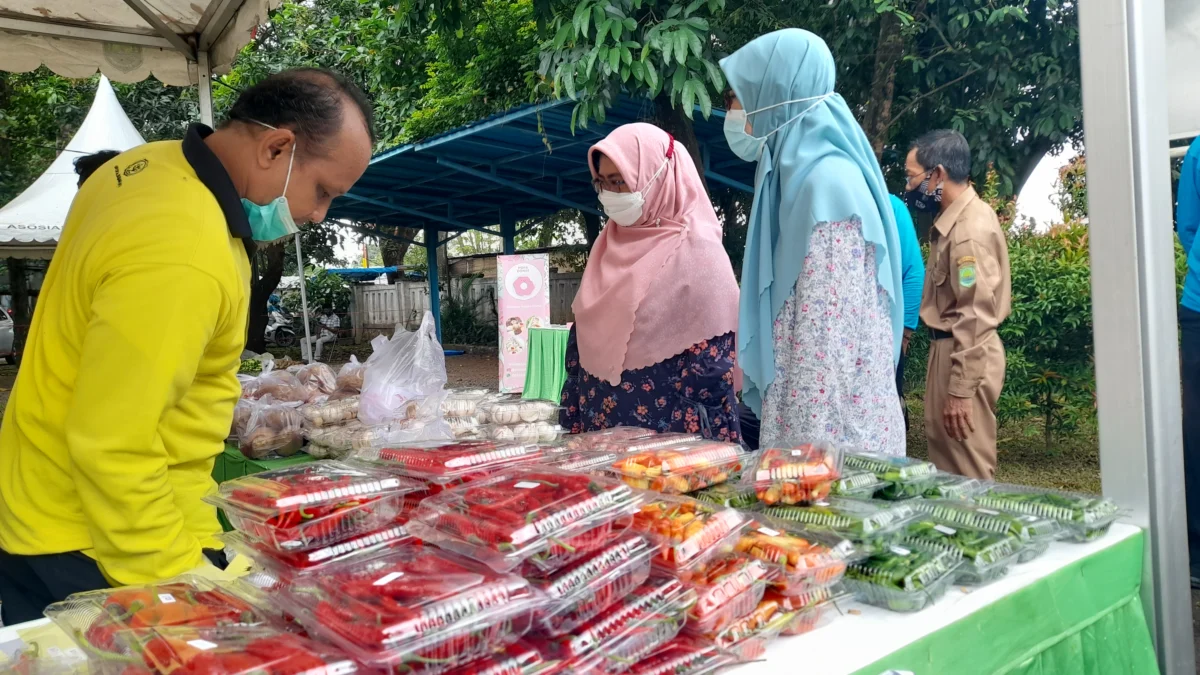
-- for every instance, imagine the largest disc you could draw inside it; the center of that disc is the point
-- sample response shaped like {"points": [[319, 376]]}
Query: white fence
{"points": [[379, 308]]}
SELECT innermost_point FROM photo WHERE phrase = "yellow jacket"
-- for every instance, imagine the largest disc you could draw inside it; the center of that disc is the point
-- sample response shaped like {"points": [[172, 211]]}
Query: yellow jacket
{"points": [[128, 379]]}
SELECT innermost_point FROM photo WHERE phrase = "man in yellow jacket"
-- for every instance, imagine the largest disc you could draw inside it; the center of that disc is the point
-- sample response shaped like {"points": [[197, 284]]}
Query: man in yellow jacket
{"points": [[127, 387]]}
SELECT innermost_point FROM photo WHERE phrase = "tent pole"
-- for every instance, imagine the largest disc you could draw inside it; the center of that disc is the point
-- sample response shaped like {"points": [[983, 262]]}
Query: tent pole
{"points": [[306, 349], [508, 229], [204, 87], [431, 259], [1123, 67]]}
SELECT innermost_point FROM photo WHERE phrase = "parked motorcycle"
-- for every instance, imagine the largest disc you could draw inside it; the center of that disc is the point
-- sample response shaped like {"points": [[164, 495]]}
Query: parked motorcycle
{"points": [[279, 329]]}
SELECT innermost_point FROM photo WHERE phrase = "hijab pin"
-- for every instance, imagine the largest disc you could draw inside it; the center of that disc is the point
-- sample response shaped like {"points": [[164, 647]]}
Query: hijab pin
{"points": [[670, 146]]}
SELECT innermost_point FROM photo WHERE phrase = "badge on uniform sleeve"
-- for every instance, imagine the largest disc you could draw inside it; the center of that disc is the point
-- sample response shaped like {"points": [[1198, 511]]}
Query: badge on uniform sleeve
{"points": [[966, 271]]}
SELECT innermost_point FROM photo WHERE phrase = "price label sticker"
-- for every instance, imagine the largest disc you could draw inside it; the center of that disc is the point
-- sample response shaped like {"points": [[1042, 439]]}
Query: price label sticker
{"points": [[166, 598], [526, 485], [949, 531], [769, 532], [989, 512], [900, 550], [388, 578], [202, 645]]}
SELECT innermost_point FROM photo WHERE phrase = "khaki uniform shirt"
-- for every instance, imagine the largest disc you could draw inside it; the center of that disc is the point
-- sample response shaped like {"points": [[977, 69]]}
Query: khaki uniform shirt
{"points": [[968, 286]]}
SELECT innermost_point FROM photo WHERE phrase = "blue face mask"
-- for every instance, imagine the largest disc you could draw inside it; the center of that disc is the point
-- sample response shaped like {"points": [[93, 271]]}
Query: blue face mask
{"points": [[272, 221], [750, 147]]}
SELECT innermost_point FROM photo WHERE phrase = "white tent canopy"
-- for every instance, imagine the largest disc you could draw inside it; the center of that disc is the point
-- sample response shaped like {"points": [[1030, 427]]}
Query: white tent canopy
{"points": [[31, 224]]}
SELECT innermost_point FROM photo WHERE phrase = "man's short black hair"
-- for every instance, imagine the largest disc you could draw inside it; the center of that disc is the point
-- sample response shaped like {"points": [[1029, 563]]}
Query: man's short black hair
{"points": [[309, 101], [86, 165], [946, 148]]}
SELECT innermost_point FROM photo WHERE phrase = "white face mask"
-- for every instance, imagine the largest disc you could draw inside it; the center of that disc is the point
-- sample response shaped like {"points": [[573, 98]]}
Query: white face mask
{"points": [[750, 147], [625, 208]]}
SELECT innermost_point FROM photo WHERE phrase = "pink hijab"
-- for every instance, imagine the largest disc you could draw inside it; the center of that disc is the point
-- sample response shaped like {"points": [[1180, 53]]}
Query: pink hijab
{"points": [[656, 288]]}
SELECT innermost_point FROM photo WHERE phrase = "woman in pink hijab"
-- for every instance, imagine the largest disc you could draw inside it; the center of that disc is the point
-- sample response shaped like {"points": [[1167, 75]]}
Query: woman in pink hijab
{"points": [[653, 342]]}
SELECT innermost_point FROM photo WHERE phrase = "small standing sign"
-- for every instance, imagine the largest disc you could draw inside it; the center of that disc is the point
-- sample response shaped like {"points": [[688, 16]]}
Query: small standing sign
{"points": [[522, 303]]}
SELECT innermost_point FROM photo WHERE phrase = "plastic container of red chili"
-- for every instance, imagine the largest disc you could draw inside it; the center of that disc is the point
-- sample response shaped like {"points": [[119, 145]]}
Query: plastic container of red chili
{"points": [[308, 506], [287, 565], [545, 518], [685, 655], [519, 658], [637, 626], [448, 464], [228, 651], [728, 587], [417, 609], [689, 531], [605, 440], [93, 619], [583, 590]]}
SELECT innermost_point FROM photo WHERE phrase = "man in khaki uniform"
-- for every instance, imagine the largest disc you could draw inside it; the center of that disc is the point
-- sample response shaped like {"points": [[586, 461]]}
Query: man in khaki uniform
{"points": [[968, 293]]}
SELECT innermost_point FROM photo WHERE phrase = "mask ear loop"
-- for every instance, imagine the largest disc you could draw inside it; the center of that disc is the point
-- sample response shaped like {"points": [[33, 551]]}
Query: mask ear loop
{"points": [[287, 181], [802, 113]]}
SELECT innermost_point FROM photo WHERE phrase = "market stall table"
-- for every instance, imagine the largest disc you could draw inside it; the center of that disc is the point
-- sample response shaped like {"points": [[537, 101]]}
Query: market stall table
{"points": [[1075, 610], [546, 370]]}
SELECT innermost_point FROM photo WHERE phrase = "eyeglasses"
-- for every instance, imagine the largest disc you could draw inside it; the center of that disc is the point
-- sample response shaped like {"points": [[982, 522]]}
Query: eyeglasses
{"points": [[609, 185]]}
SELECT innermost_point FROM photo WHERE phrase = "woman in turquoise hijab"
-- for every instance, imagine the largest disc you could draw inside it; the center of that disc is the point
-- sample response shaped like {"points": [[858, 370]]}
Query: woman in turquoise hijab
{"points": [[821, 313]]}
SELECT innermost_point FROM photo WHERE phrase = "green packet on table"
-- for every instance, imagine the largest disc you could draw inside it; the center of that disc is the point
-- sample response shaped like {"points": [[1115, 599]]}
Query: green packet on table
{"points": [[901, 578], [1083, 517], [952, 486], [985, 556], [733, 494], [1034, 532], [857, 484], [856, 519], [903, 477]]}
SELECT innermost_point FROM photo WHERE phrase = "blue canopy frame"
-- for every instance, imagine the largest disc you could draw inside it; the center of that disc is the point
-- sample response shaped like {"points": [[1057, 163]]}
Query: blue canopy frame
{"points": [[491, 174]]}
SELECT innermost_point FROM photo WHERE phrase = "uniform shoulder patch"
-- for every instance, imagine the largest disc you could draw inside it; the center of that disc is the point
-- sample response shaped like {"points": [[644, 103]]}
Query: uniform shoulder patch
{"points": [[966, 271]]}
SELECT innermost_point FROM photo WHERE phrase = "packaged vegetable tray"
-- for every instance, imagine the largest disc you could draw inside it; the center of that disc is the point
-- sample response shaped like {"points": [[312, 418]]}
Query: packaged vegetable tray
{"points": [[516, 411], [583, 590], [309, 506], [811, 610], [518, 658], [93, 619], [904, 477], [446, 464], [287, 565], [1083, 517], [544, 517], [688, 531], [582, 462], [228, 651], [1035, 532], [637, 626], [415, 610], [952, 486], [985, 556], [805, 559], [685, 655], [728, 587], [799, 475], [605, 440], [735, 495], [653, 442], [901, 578], [681, 468], [855, 519], [857, 484]]}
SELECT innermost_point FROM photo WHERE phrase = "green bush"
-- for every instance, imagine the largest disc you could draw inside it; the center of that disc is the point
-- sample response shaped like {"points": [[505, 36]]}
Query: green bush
{"points": [[460, 325]]}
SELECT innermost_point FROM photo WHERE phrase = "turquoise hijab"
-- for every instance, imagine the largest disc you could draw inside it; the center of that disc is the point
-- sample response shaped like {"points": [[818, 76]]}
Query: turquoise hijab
{"points": [[817, 168]]}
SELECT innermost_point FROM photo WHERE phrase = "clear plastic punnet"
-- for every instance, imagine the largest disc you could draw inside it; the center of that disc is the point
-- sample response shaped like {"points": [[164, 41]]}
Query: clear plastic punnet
{"points": [[645, 620], [952, 486], [582, 461], [517, 411], [523, 432], [417, 609], [798, 475], [451, 463], [728, 587], [544, 517], [316, 561], [685, 655], [905, 477], [811, 610], [583, 590], [1035, 532], [653, 442], [855, 519], [308, 506], [689, 531], [746, 639], [857, 484], [228, 651], [805, 559], [606, 440], [902, 578], [986, 556], [463, 402], [681, 468], [734, 494], [519, 658], [1083, 517], [95, 618], [330, 413]]}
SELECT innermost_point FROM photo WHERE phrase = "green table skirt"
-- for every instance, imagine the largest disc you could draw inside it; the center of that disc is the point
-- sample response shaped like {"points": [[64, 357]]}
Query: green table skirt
{"points": [[546, 369], [1084, 619]]}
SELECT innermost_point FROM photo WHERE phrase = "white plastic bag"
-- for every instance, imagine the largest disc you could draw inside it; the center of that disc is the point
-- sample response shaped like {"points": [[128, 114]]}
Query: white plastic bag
{"points": [[410, 366]]}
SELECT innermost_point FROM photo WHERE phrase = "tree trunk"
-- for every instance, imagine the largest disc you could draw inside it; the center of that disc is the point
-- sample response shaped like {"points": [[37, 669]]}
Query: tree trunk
{"points": [[1032, 152], [888, 49], [268, 265], [18, 286], [591, 228], [393, 252], [680, 126], [546, 233]]}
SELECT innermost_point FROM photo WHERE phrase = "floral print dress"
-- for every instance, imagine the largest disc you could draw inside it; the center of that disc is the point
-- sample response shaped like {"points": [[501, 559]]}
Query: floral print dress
{"points": [[834, 374], [691, 392]]}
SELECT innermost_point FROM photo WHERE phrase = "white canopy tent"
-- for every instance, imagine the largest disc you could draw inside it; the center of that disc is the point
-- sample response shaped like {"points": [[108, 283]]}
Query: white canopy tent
{"points": [[180, 42], [31, 224]]}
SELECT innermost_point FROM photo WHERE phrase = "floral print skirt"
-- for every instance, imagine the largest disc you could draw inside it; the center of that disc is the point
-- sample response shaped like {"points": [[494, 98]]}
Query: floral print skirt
{"points": [[834, 375], [691, 392]]}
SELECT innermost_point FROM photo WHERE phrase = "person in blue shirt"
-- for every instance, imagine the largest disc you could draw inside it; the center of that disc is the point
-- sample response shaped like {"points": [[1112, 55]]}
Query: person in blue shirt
{"points": [[1187, 221], [912, 280]]}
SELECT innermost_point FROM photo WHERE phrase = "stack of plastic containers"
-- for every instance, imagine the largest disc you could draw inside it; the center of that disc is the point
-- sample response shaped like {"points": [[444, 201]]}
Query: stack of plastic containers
{"points": [[952, 486], [1083, 517], [520, 421], [1034, 532], [680, 468], [228, 651], [983, 556]]}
